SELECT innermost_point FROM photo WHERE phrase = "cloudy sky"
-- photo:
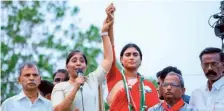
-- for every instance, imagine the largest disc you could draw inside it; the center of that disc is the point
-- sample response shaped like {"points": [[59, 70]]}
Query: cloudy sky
{"points": [[169, 32]]}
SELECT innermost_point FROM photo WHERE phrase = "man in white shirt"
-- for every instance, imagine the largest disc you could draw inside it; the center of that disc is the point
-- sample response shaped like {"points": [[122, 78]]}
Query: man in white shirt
{"points": [[210, 97], [29, 98]]}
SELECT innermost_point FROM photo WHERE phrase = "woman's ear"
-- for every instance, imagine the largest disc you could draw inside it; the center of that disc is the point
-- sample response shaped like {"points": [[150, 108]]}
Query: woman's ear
{"points": [[86, 68], [121, 60], [140, 62], [66, 67]]}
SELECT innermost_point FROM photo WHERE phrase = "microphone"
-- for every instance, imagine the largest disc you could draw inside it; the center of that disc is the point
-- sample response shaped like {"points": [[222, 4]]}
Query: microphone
{"points": [[80, 73]]}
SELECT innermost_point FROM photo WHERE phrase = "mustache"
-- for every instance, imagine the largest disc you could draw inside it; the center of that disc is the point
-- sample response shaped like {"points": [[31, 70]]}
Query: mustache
{"points": [[168, 93], [32, 82], [211, 72]]}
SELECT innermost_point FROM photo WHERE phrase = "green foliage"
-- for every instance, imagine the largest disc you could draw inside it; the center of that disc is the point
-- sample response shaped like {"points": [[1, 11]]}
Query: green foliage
{"points": [[35, 31]]}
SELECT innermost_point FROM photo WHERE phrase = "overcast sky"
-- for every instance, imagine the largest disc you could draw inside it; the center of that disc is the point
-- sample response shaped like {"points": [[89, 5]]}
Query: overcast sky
{"points": [[168, 32]]}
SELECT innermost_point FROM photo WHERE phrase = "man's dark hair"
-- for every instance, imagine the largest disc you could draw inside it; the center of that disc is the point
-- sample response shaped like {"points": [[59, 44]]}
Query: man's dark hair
{"points": [[27, 64], [162, 74], [64, 71], [45, 87], [210, 50]]}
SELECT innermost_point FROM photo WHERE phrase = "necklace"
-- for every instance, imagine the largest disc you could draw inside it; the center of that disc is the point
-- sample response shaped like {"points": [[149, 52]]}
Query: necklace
{"points": [[141, 89]]}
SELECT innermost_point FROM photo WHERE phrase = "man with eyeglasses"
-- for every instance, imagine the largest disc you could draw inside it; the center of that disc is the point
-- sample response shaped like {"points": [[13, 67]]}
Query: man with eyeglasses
{"points": [[160, 79], [60, 75], [210, 97], [173, 90]]}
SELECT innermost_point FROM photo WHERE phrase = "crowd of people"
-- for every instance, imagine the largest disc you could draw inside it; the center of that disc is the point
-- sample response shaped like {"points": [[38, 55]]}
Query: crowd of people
{"points": [[127, 88]]}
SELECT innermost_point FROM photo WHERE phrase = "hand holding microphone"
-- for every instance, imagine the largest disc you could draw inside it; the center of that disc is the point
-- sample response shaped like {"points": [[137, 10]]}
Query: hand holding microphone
{"points": [[80, 79]]}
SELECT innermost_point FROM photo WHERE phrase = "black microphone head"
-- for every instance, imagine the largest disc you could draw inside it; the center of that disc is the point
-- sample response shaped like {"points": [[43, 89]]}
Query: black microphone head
{"points": [[79, 72]]}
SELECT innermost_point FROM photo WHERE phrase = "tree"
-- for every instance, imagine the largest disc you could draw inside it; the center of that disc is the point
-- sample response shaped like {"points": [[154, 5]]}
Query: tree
{"points": [[44, 32]]}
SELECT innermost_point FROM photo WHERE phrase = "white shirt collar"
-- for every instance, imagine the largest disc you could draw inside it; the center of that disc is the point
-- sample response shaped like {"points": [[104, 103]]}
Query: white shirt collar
{"points": [[217, 85], [22, 95]]}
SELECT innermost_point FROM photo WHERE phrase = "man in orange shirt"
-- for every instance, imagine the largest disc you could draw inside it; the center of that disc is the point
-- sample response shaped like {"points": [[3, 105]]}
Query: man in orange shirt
{"points": [[173, 90], [160, 79]]}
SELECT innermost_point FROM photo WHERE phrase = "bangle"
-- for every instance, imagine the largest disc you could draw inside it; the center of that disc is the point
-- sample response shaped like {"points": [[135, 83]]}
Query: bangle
{"points": [[104, 34]]}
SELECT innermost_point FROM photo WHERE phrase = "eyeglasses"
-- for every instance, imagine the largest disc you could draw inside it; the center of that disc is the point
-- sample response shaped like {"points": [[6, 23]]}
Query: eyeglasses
{"points": [[171, 84], [58, 79], [213, 64]]}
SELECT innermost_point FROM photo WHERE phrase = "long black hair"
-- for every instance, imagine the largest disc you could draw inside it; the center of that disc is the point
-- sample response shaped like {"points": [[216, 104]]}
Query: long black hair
{"points": [[128, 46], [73, 53]]}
